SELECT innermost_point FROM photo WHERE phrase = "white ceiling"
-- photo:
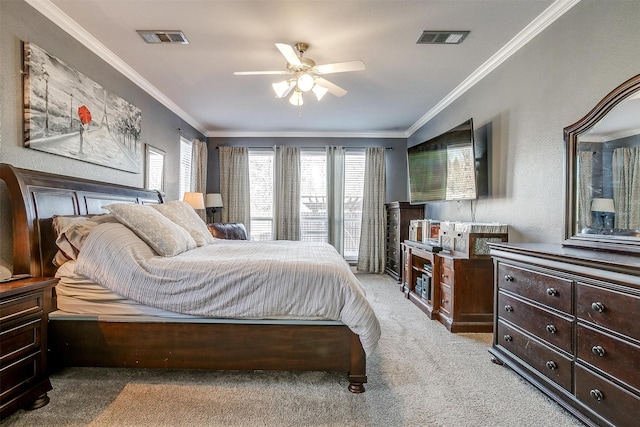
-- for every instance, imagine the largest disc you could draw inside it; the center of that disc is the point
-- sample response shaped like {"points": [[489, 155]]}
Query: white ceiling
{"points": [[404, 83]]}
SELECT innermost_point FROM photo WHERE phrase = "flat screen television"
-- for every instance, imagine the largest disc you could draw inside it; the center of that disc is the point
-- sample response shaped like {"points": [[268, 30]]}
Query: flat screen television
{"points": [[447, 167]]}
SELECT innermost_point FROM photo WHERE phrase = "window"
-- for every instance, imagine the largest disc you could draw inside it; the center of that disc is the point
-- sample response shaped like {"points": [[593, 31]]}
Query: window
{"points": [[185, 166], [313, 196], [314, 203], [261, 172]]}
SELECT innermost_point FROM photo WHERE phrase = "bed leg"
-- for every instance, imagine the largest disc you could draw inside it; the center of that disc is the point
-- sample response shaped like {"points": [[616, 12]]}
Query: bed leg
{"points": [[358, 371]]}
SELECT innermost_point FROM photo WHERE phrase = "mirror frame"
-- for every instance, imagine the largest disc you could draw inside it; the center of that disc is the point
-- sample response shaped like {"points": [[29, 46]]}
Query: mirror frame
{"points": [[571, 134]]}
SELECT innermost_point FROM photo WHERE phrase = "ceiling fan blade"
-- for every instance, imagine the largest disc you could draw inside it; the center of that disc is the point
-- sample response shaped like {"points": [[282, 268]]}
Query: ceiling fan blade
{"points": [[332, 88], [340, 67], [289, 54], [260, 73]]}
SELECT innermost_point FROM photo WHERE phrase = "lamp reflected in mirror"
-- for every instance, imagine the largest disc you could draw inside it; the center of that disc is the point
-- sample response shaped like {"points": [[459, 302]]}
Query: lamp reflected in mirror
{"points": [[603, 212]]}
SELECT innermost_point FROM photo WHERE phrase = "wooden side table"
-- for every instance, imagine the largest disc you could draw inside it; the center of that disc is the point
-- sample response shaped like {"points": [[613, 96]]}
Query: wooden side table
{"points": [[24, 308]]}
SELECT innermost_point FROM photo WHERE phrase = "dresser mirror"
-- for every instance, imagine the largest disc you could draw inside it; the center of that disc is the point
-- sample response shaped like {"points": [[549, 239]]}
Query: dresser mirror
{"points": [[602, 169]]}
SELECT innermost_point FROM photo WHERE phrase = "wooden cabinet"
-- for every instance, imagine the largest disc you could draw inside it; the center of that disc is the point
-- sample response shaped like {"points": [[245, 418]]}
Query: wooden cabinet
{"points": [[24, 308], [459, 291], [566, 319], [399, 216]]}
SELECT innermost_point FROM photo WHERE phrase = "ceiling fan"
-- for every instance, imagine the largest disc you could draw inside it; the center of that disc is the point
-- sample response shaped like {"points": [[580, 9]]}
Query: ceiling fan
{"points": [[305, 74]]}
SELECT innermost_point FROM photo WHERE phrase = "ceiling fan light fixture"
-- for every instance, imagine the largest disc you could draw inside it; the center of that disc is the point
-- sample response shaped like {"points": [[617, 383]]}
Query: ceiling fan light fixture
{"points": [[296, 98], [305, 82], [282, 88], [319, 91]]}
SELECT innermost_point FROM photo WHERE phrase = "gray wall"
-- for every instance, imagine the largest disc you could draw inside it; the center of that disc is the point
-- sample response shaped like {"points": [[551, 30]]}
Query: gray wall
{"points": [[396, 156], [20, 22], [551, 83]]}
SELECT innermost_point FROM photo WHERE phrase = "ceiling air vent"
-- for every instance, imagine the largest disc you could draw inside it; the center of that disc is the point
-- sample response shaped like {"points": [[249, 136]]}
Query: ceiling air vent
{"points": [[159, 36], [442, 37]]}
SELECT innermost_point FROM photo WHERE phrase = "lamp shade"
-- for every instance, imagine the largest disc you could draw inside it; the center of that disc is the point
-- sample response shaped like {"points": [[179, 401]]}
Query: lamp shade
{"points": [[196, 200], [213, 200], [602, 205]]}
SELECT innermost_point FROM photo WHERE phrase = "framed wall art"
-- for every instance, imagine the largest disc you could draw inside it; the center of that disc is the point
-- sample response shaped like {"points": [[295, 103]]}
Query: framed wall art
{"points": [[68, 114]]}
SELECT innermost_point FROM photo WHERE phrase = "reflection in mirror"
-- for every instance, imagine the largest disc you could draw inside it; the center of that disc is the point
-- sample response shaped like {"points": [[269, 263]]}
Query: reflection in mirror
{"points": [[608, 169], [603, 173], [154, 169]]}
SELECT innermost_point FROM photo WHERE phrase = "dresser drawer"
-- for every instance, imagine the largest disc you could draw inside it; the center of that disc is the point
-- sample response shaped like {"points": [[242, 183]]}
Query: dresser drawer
{"points": [[20, 341], [620, 359], [610, 401], [609, 309], [21, 307], [542, 323], [542, 358], [393, 216], [544, 288]]}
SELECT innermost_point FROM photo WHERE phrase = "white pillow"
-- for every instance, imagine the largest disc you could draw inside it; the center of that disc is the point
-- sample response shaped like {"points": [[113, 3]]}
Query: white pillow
{"points": [[186, 217], [163, 235]]}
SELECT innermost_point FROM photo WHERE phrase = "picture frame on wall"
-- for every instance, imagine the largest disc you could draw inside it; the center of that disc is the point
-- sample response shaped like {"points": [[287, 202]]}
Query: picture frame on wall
{"points": [[154, 168], [68, 114]]}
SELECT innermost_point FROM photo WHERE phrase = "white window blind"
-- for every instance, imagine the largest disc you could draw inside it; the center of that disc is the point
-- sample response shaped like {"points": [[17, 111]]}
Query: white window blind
{"points": [[261, 170], [185, 166]]}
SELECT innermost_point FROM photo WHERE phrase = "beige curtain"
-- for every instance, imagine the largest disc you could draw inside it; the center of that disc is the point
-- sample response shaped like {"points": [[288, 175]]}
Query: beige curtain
{"points": [[626, 194], [234, 185], [199, 171], [335, 199], [585, 191], [287, 194], [371, 252]]}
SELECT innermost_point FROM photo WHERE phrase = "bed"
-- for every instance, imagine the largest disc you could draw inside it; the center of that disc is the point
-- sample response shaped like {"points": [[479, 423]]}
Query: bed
{"points": [[156, 341]]}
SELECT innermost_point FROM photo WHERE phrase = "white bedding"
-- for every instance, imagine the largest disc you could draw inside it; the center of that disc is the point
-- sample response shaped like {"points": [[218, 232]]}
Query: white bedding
{"points": [[232, 279]]}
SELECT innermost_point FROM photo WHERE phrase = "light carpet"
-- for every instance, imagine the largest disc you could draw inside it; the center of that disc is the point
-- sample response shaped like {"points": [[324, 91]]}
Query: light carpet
{"points": [[420, 375]]}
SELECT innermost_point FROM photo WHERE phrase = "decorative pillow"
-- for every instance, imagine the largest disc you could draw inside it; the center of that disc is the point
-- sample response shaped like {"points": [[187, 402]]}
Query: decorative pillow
{"points": [[186, 217], [163, 235], [71, 232]]}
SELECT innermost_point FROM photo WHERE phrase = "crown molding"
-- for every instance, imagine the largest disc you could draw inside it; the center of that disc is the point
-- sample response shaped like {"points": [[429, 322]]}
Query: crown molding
{"points": [[535, 27], [275, 134], [62, 20]]}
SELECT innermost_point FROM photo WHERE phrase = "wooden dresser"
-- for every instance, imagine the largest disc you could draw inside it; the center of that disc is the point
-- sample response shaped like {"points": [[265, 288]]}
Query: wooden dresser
{"points": [[24, 308], [568, 321], [399, 215]]}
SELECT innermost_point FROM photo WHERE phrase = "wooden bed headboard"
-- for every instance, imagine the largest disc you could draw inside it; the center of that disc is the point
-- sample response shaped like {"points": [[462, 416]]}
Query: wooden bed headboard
{"points": [[37, 196]]}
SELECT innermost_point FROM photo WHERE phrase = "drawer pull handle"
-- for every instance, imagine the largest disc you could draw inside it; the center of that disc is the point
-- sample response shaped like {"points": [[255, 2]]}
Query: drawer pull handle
{"points": [[508, 278], [552, 292], [508, 308], [552, 365], [551, 329], [596, 394], [508, 338], [444, 276], [597, 350], [598, 306]]}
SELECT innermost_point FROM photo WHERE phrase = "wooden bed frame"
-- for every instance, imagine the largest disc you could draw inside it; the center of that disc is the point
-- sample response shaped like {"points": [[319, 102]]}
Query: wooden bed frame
{"points": [[36, 197]]}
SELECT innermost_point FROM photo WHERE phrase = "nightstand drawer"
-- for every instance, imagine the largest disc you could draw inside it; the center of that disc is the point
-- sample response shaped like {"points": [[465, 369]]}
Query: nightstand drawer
{"points": [[19, 376], [445, 299], [544, 324], [447, 273], [20, 341], [548, 290], [21, 307], [542, 358], [609, 309]]}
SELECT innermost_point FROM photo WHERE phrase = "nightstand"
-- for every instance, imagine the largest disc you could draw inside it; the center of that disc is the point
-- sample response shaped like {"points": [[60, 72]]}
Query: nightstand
{"points": [[24, 308]]}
